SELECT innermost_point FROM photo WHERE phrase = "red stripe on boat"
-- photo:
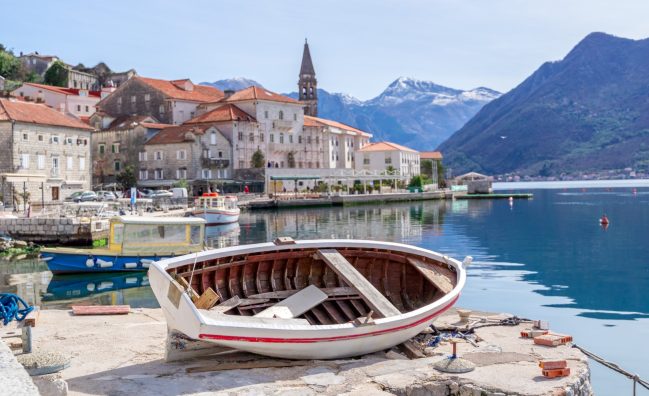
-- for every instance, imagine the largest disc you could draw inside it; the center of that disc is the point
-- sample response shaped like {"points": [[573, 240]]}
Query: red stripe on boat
{"points": [[324, 339]]}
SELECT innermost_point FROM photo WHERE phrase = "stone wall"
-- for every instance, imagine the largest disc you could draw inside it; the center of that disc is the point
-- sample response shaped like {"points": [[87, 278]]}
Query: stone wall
{"points": [[131, 143], [56, 230], [121, 102]]}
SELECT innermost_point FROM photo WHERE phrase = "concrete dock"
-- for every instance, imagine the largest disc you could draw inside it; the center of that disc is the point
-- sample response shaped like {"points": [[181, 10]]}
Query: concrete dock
{"points": [[124, 354]]}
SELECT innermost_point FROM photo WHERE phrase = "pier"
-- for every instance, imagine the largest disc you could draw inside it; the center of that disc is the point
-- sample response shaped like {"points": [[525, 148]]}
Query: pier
{"points": [[505, 363]]}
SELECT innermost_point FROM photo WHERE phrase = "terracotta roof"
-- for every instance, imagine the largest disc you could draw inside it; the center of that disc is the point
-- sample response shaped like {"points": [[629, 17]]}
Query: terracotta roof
{"points": [[129, 121], [61, 90], [228, 112], [177, 134], [36, 113], [316, 121], [172, 89], [154, 125], [432, 155], [258, 93], [385, 146]]}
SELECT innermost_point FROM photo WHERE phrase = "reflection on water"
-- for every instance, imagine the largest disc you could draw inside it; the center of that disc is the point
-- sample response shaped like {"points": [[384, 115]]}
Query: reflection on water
{"points": [[543, 258]]}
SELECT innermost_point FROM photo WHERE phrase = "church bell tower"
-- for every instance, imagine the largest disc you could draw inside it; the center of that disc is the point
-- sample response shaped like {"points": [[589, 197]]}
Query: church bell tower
{"points": [[308, 85]]}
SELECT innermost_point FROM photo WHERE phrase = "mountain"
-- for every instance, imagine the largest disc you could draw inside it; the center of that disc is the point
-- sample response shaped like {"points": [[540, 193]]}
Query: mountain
{"points": [[411, 112], [235, 84], [587, 112]]}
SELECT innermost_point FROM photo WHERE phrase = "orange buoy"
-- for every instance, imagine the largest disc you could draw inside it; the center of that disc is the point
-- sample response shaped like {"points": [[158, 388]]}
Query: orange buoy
{"points": [[604, 220]]}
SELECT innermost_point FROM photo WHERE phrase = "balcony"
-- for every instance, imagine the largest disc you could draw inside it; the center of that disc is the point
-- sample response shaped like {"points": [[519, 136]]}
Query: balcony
{"points": [[283, 125], [215, 163]]}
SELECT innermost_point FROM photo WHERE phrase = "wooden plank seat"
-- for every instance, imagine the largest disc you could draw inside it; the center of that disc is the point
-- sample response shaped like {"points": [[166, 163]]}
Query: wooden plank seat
{"points": [[434, 274], [245, 320], [330, 292], [295, 305], [347, 272]]}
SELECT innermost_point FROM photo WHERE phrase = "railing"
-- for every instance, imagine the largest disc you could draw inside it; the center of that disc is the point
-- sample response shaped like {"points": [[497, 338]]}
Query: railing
{"points": [[54, 172], [215, 162]]}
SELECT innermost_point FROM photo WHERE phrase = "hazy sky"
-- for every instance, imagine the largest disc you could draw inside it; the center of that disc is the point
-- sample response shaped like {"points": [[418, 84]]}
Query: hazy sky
{"points": [[358, 47]]}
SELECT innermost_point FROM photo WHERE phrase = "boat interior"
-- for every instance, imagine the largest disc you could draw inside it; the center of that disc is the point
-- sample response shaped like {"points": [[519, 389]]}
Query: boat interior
{"points": [[321, 286]]}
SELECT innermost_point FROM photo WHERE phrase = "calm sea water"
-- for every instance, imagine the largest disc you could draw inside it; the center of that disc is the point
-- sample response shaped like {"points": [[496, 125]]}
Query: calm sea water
{"points": [[546, 258]]}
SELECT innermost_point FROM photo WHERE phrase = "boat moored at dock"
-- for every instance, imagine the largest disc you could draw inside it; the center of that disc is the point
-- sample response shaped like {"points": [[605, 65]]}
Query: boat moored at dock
{"points": [[134, 243], [316, 299], [217, 209]]}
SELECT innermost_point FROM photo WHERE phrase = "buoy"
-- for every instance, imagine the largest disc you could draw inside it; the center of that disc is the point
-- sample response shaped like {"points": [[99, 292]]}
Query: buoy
{"points": [[511, 199], [603, 220]]}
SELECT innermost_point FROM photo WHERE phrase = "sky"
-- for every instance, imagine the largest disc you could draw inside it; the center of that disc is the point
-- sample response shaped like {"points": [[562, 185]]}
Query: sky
{"points": [[358, 47]]}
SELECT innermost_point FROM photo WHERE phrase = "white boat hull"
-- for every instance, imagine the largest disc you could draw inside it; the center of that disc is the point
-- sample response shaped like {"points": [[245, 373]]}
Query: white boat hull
{"points": [[288, 338], [218, 216]]}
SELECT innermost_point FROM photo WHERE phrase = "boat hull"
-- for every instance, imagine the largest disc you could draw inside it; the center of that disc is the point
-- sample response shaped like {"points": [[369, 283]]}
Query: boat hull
{"points": [[89, 262], [216, 217], [295, 338]]}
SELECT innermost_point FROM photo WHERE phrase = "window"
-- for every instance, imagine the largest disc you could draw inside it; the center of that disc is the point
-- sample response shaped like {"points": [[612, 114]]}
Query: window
{"points": [[159, 155], [272, 138], [78, 107], [240, 136], [40, 138], [68, 140], [87, 109], [159, 174], [118, 166], [143, 156], [55, 165], [144, 174], [69, 163], [265, 113], [147, 98], [181, 154], [206, 174], [308, 139], [181, 173], [241, 164], [54, 139], [102, 149], [213, 138], [82, 163], [220, 154], [161, 109], [25, 136], [133, 99], [261, 137], [24, 161], [294, 116], [299, 139], [281, 115], [251, 137], [388, 160], [281, 138], [119, 104], [317, 140], [290, 138], [40, 161], [115, 148]]}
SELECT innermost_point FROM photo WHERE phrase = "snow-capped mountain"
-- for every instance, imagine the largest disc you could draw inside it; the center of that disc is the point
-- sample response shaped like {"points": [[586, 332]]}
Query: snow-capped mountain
{"points": [[235, 84], [415, 113]]}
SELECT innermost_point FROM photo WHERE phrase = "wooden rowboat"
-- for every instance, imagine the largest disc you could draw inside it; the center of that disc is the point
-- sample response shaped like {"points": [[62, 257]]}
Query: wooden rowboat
{"points": [[316, 299]]}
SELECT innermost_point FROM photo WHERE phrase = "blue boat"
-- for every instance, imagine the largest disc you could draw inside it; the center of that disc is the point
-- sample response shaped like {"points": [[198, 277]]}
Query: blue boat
{"points": [[134, 243], [78, 286]]}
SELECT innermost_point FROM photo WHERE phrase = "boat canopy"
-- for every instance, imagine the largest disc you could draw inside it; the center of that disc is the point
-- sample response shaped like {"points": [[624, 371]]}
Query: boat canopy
{"points": [[156, 235]]}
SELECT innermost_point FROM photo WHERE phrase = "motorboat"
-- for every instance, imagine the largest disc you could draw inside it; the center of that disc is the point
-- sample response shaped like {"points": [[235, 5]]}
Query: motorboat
{"points": [[310, 299], [217, 209], [134, 242]]}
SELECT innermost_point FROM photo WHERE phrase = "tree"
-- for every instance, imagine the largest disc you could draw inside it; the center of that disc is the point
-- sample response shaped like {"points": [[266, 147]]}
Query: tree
{"points": [[416, 182], [182, 183], [127, 177], [441, 180], [427, 168], [10, 66], [57, 74], [258, 160]]}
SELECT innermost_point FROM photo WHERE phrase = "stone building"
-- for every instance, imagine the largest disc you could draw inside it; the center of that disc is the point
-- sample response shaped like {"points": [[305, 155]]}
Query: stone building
{"points": [[47, 153], [307, 84], [119, 144], [77, 102], [198, 153], [170, 102], [381, 156], [37, 63], [335, 141], [82, 80]]}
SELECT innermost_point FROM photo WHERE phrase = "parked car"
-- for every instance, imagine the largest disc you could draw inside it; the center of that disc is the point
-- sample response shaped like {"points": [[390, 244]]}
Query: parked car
{"points": [[160, 194], [106, 196], [82, 196]]}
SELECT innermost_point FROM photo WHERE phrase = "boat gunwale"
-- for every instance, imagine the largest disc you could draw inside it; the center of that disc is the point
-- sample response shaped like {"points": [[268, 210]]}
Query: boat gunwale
{"points": [[448, 299]]}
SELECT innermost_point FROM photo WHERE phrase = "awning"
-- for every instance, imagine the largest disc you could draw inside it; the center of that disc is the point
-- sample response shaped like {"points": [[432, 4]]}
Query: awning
{"points": [[295, 177], [22, 177]]}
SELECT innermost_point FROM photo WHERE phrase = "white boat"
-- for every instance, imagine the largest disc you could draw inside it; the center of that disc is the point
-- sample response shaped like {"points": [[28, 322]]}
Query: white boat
{"points": [[316, 299], [217, 209]]}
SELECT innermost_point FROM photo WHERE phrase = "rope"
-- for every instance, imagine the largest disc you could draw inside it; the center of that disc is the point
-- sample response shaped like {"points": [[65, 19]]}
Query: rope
{"points": [[10, 308], [191, 277], [613, 366]]}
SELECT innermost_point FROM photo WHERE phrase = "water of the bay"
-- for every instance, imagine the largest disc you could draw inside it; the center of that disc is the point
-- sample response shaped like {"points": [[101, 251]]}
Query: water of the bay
{"points": [[546, 258]]}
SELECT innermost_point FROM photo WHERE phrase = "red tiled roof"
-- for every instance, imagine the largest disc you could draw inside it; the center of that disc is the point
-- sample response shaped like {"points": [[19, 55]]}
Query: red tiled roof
{"points": [[173, 89], [154, 125], [257, 93], [64, 91], [128, 121], [228, 112], [36, 113], [177, 134], [385, 146], [315, 121], [432, 155]]}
